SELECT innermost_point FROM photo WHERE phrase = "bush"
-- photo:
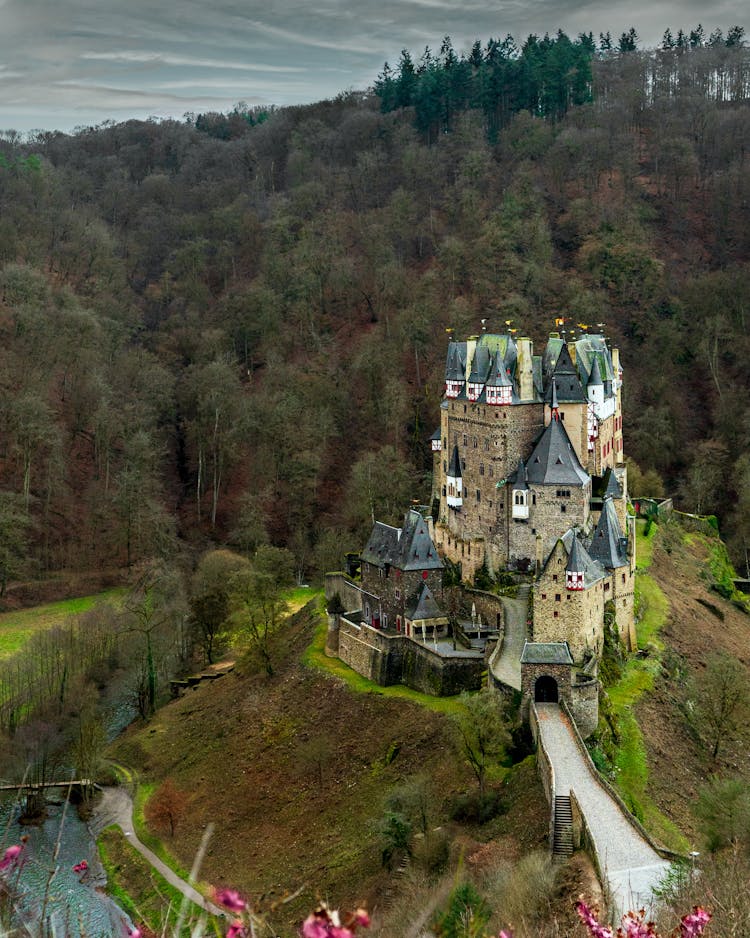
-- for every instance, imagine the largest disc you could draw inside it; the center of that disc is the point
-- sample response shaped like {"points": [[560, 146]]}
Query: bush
{"points": [[473, 808], [466, 916]]}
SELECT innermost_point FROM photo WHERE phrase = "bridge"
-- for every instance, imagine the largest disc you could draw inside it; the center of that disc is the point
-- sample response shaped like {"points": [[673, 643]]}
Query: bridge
{"points": [[41, 786], [629, 864]]}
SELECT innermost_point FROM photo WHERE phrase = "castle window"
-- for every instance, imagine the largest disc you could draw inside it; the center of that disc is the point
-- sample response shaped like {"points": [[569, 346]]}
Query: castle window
{"points": [[562, 509], [474, 442], [443, 491], [533, 498], [623, 578], [492, 472], [463, 463], [486, 444], [481, 469], [466, 440], [398, 594], [606, 587], [464, 408], [445, 465], [479, 496], [556, 614], [533, 530], [554, 576], [490, 503], [557, 597]]}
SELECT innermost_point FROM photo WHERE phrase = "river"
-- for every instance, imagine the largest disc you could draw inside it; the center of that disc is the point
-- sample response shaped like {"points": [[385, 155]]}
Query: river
{"points": [[77, 906]]}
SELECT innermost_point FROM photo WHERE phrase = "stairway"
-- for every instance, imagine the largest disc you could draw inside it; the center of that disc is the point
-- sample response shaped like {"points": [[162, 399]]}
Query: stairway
{"points": [[562, 846]]}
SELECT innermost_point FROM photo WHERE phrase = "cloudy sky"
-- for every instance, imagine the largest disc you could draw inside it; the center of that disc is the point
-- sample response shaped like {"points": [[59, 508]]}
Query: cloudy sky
{"points": [[67, 63]]}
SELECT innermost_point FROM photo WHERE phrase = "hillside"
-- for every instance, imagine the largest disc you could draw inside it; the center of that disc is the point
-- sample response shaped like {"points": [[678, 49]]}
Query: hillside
{"points": [[294, 772], [700, 624]]}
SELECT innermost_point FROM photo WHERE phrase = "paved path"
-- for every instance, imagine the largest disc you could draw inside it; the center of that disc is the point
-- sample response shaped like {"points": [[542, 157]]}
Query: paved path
{"points": [[116, 807], [631, 866], [506, 664]]}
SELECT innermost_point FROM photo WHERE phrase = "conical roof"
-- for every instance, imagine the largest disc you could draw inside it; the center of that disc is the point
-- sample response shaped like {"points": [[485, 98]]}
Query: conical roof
{"points": [[480, 366], [519, 482], [565, 379], [608, 546], [455, 363], [580, 561], [595, 378], [498, 377], [454, 466]]}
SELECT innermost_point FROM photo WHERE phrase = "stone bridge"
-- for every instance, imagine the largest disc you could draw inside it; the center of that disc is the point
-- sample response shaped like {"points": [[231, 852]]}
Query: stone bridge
{"points": [[628, 862]]}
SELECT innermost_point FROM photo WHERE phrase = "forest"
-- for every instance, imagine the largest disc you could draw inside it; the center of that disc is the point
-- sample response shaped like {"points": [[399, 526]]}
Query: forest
{"points": [[230, 329]]}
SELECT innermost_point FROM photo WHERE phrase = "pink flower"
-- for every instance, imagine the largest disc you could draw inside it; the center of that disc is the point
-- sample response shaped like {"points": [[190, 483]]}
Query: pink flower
{"points": [[590, 921], [236, 930], [361, 918], [81, 867], [314, 927], [231, 900], [633, 926], [505, 934], [134, 933], [694, 922], [11, 855]]}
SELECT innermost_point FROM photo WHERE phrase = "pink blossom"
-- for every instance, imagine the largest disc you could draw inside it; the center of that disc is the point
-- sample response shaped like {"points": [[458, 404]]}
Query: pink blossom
{"points": [[694, 922], [236, 930], [11, 856], [81, 867], [231, 900], [590, 921], [505, 934], [361, 918], [314, 927], [634, 926], [134, 933]]}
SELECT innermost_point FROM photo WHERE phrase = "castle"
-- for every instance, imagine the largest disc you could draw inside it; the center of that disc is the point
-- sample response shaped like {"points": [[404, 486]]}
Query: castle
{"points": [[529, 477]]}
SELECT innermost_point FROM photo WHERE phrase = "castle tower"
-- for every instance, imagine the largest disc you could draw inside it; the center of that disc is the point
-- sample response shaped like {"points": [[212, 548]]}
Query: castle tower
{"points": [[454, 481]]}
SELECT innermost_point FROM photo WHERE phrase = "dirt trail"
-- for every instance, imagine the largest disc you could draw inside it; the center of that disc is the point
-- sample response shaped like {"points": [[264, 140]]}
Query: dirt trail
{"points": [[116, 807]]}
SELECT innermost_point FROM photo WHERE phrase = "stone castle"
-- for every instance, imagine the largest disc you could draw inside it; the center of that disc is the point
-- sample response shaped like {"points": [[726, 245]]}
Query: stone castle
{"points": [[529, 477]]}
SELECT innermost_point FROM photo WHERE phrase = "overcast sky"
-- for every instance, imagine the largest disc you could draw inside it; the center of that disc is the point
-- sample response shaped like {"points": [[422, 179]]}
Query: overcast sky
{"points": [[67, 63]]}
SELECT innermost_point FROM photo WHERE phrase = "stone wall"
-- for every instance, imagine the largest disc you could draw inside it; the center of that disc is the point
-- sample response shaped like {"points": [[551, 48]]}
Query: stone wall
{"points": [[490, 608], [395, 659], [399, 589], [347, 589], [584, 705]]}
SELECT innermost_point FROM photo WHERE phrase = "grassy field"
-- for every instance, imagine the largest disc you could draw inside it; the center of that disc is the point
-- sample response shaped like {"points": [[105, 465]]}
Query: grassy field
{"points": [[637, 679], [17, 627]]}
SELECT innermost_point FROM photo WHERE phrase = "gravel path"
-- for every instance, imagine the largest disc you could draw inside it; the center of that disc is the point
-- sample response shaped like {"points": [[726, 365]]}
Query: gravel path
{"points": [[506, 665], [632, 867], [116, 807]]}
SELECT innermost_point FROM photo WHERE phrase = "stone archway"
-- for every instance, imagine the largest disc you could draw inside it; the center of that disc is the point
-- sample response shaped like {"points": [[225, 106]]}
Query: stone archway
{"points": [[545, 690]]}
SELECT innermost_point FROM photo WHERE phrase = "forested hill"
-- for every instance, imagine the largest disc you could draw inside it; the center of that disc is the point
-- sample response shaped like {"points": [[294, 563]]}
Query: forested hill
{"points": [[233, 328]]}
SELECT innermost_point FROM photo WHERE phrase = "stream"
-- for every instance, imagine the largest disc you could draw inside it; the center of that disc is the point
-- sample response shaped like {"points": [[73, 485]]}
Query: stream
{"points": [[76, 906]]}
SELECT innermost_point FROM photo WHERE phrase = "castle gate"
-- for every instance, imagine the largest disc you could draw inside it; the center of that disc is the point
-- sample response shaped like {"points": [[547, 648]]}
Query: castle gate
{"points": [[545, 690]]}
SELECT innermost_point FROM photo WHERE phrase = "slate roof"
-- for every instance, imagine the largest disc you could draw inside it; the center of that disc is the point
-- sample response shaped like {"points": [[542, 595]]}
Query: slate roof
{"points": [[565, 379], [546, 653], [454, 466], [553, 460], [425, 606], [607, 485], [590, 348], [498, 377], [580, 561], [595, 378], [407, 548], [455, 363], [519, 477], [608, 546], [480, 366], [436, 435]]}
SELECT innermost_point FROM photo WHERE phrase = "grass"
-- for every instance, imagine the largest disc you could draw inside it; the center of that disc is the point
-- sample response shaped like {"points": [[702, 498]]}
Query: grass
{"points": [[137, 888], [316, 657], [142, 794], [630, 762], [300, 596], [16, 628], [644, 544]]}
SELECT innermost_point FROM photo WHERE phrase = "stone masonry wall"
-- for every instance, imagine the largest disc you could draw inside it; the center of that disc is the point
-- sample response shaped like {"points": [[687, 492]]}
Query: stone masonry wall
{"points": [[389, 659], [399, 589]]}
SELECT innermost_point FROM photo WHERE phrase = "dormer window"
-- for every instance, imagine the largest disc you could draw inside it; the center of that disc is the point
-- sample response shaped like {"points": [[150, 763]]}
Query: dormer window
{"points": [[520, 504]]}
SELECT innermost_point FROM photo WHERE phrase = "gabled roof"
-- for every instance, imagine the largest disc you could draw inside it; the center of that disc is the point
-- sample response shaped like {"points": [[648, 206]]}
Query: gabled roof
{"points": [[546, 653], [565, 379], [611, 484], [553, 460], [608, 546], [436, 435], [455, 363], [498, 377], [454, 466], [480, 365], [407, 548], [590, 348], [595, 378], [425, 606]]}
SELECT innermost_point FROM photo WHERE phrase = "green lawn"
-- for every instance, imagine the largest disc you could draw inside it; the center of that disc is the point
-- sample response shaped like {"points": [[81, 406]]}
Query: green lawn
{"points": [[638, 678], [17, 627]]}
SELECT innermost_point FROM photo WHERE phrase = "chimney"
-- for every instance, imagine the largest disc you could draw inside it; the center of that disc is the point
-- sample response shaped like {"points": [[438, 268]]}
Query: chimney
{"points": [[471, 347], [572, 351], [616, 365], [525, 353]]}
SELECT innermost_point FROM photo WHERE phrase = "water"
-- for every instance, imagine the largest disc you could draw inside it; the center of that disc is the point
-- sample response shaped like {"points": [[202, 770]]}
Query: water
{"points": [[76, 906]]}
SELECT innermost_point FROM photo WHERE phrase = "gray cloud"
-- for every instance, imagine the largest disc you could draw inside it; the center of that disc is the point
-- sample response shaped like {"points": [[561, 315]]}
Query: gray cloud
{"points": [[69, 62]]}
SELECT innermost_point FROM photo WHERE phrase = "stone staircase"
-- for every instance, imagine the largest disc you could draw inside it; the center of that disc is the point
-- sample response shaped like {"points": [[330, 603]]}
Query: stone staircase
{"points": [[562, 846]]}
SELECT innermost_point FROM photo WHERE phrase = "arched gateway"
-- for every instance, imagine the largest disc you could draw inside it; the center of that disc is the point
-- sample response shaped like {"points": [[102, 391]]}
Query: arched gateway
{"points": [[545, 690]]}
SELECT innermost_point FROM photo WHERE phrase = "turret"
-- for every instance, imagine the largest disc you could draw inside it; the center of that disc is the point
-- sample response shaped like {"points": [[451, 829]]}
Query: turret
{"points": [[499, 387], [595, 387], [436, 441], [454, 481], [454, 370], [575, 568], [480, 368], [520, 494]]}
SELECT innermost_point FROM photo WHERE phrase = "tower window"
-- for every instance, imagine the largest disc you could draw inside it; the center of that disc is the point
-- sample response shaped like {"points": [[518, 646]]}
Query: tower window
{"points": [[481, 469]]}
